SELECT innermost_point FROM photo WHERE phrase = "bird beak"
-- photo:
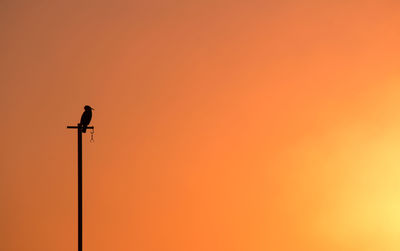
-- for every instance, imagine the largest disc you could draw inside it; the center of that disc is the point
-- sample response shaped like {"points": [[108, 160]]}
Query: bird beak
{"points": [[92, 109]]}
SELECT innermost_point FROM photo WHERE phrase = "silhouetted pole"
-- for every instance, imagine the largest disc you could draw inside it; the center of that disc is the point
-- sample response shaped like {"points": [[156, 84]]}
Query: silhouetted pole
{"points": [[80, 201]]}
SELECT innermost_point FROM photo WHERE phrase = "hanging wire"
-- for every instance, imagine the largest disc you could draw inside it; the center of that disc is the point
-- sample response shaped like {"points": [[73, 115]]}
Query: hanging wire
{"points": [[92, 135]]}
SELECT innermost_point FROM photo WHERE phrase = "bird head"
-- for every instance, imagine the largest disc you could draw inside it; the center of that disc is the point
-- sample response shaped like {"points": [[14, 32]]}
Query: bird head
{"points": [[88, 108]]}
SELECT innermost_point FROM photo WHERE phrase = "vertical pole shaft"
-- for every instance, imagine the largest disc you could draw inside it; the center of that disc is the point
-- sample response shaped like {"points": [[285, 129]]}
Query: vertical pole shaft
{"points": [[79, 187]]}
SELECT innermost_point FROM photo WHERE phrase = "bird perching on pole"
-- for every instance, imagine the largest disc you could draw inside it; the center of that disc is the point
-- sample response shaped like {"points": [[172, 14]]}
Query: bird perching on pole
{"points": [[86, 118], [85, 121]]}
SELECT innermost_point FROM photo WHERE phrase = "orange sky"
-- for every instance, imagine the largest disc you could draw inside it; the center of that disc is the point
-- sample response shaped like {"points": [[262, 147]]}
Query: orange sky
{"points": [[220, 125]]}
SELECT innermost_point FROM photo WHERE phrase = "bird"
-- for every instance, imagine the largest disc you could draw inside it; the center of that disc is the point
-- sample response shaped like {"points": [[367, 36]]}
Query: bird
{"points": [[86, 117]]}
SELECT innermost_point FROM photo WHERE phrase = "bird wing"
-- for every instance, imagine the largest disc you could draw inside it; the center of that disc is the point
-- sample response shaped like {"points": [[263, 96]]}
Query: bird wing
{"points": [[86, 117]]}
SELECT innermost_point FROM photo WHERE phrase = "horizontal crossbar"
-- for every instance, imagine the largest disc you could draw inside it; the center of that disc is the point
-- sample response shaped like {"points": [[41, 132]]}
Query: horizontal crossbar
{"points": [[76, 127]]}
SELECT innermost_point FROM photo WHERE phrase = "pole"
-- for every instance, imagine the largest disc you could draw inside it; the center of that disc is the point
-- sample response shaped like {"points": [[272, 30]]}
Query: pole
{"points": [[80, 184], [80, 187]]}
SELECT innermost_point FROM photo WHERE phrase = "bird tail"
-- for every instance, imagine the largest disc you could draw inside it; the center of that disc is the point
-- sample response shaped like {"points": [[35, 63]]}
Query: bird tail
{"points": [[84, 128]]}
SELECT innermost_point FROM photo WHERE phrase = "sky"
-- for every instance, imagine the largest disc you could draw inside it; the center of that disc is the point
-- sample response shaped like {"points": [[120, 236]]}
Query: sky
{"points": [[219, 125]]}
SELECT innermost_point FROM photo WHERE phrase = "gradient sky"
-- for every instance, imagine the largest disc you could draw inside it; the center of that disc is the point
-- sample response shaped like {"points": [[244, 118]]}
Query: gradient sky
{"points": [[220, 125]]}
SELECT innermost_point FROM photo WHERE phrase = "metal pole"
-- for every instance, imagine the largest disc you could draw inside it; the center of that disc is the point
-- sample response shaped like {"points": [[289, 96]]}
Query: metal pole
{"points": [[79, 187]]}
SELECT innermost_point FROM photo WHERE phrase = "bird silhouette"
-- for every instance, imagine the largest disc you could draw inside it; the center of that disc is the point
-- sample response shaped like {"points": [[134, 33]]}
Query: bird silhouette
{"points": [[86, 117]]}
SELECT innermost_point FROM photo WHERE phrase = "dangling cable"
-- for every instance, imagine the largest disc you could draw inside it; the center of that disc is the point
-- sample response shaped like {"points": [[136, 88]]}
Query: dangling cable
{"points": [[92, 135]]}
